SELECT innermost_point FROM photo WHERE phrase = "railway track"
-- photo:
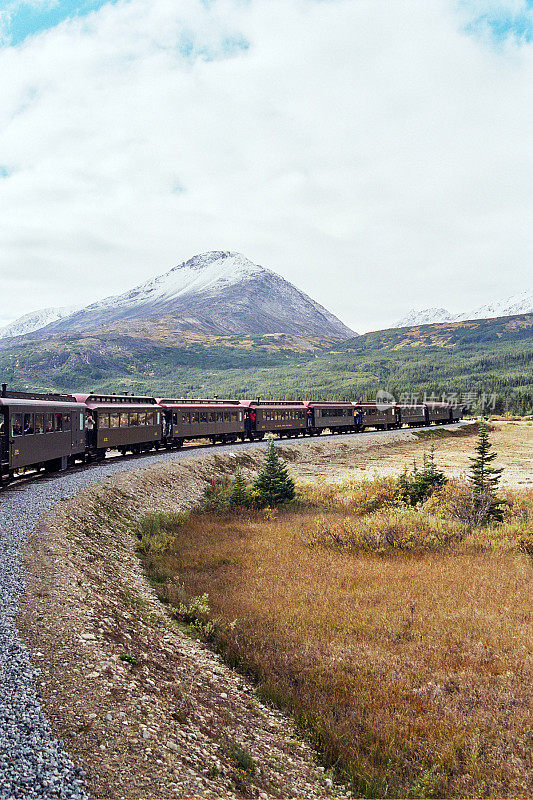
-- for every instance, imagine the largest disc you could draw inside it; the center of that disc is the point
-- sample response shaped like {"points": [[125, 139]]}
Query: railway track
{"points": [[18, 483]]}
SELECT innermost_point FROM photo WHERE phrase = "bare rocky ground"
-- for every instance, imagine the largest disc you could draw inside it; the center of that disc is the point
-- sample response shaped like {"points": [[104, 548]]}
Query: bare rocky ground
{"points": [[143, 708]]}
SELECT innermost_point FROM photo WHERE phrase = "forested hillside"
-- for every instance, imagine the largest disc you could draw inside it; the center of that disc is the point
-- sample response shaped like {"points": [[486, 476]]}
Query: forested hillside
{"points": [[470, 358]]}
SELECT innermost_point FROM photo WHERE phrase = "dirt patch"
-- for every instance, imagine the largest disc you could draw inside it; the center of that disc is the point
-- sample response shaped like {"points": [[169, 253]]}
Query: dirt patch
{"points": [[388, 454]]}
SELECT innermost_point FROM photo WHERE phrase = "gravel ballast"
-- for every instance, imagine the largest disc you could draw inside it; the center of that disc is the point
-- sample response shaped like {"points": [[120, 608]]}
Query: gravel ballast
{"points": [[33, 763]]}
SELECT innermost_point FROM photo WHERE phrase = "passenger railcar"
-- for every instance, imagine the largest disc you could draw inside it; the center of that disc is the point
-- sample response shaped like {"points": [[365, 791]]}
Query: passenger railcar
{"points": [[373, 416], [216, 420], [286, 418], [439, 413], [39, 430], [122, 422], [413, 415], [338, 417]]}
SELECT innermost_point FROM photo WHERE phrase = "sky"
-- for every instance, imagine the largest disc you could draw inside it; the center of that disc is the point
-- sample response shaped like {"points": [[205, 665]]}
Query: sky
{"points": [[376, 153]]}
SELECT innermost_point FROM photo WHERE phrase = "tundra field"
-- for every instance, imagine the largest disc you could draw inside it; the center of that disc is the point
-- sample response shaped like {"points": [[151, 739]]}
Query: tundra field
{"points": [[398, 637]]}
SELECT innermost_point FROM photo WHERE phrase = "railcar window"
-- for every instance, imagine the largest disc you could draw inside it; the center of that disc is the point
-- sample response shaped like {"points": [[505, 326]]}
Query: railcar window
{"points": [[114, 420], [103, 420], [203, 416], [212, 416], [234, 416], [226, 416], [39, 423], [16, 424], [49, 423], [58, 422], [240, 416], [133, 418], [195, 417], [28, 424], [66, 422]]}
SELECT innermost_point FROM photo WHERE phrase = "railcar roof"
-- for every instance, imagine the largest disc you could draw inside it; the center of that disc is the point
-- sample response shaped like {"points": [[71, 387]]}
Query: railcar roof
{"points": [[273, 403], [187, 401], [328, 403], [114, 399], [122, 407], [41, 404]]}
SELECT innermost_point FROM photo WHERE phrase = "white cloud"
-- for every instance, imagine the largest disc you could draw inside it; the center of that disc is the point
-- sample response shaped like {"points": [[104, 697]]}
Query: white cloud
{"points": [[372, 152]]}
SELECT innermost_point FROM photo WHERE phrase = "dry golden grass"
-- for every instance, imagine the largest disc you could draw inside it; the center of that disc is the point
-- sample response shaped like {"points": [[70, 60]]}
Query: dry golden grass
{"points": [[412, 673]]}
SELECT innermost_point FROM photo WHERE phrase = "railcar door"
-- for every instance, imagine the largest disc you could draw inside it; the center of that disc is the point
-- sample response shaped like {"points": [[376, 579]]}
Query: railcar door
{"points": [[4, 439]]}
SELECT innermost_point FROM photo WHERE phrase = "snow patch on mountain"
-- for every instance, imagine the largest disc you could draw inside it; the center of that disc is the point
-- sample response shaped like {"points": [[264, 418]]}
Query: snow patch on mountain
{"points": [[36, 320], [520, 303], [200, 275], [424, 317]]}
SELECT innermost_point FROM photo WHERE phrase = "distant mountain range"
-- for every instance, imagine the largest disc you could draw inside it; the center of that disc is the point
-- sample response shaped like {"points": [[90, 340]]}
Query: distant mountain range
{"points": [[521, 303], [213, 293], [223, 293]]}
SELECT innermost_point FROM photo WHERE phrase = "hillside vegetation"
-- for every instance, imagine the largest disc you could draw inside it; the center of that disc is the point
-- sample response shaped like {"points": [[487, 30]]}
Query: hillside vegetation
{"points": [[491, 356]]}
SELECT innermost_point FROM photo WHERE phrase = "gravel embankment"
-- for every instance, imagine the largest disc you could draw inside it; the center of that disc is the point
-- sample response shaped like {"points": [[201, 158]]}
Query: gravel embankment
{"points": [[33, 763]]}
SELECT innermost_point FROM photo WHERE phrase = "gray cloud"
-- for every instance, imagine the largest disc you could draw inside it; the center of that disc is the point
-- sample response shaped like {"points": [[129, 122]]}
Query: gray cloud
{"points": [[371, 145]]}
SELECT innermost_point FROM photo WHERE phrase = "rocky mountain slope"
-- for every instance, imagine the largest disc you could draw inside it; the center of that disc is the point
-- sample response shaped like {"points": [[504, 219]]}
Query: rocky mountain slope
{"points": [[215, 293], [520, 303]]}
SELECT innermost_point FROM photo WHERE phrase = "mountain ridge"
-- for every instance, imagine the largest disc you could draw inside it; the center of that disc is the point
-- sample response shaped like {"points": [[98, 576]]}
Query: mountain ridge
{"points": [[520, 303], [219, 292]]}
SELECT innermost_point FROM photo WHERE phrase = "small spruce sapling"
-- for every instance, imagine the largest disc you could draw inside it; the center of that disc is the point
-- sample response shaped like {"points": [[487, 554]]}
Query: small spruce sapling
{"points": [[274, 484], [238, 495], [484, 478]]}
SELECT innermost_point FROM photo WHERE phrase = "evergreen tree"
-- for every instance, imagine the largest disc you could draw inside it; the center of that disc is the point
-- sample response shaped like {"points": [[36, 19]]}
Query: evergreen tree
{"points": [[237, 494], [274, 484], [416, 486], [484, 478]]}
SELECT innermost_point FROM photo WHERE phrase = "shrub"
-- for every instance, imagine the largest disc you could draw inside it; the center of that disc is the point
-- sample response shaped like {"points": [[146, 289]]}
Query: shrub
{"points": [[158, 530], [358, 497], [459, 500], [223, 494], [416, 486], [382, 532]]}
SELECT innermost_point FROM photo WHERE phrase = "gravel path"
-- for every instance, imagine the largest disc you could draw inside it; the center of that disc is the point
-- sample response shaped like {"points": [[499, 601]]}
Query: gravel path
{"points": [[32, 762]]}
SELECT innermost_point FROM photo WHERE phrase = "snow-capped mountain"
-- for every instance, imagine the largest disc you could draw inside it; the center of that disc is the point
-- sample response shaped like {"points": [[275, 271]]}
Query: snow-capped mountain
{"points": [[424, 317], [35, 321], [521, 303], [217, 292]]}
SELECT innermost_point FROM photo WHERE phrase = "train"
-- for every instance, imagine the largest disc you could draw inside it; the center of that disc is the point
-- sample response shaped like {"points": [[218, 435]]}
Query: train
{"points": [[55, 431]]}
